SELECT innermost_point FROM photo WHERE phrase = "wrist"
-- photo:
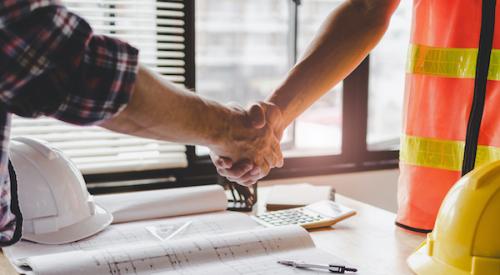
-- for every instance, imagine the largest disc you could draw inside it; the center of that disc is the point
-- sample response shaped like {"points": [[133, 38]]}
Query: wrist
{"points": [[281, 124], [281, 105], [217, 123]]}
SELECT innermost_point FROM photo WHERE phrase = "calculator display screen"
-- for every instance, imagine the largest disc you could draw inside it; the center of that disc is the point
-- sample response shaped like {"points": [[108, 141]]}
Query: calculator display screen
{"points": [[326, 208]]}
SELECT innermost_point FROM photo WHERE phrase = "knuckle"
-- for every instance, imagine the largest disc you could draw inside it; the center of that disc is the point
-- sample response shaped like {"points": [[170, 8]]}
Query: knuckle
{"points": [[232, 174], [218, 162]]}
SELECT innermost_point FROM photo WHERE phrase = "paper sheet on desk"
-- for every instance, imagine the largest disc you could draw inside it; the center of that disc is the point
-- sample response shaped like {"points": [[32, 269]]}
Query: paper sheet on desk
{"points": [[219, 242], [145, 205], [125, 234], [246, 252]]}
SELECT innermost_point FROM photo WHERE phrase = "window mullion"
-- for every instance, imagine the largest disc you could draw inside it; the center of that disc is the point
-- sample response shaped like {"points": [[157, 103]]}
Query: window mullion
{"points": [[293, 53], [189, 65], [355, 113]]}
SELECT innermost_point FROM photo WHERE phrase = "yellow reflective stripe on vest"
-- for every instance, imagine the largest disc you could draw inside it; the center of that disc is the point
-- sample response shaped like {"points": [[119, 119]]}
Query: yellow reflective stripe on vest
{"points": [[449, 62], [442, 154]]}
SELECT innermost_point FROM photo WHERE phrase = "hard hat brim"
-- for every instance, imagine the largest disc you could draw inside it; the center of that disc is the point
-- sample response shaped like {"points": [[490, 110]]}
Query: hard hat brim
{"points": [[86, 228], [421, 263]]}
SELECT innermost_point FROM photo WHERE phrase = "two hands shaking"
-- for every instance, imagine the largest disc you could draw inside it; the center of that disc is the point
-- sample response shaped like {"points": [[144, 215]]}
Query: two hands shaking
{"points": [[250, 147], [244, 143]]}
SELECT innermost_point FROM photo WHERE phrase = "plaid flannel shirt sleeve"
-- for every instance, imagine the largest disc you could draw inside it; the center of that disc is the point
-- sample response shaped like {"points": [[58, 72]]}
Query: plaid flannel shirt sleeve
{"points": [[53, 64]]}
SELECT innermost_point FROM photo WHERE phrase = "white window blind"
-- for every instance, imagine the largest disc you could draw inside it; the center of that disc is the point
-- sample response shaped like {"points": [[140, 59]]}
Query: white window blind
{"points": [[156, 28]]}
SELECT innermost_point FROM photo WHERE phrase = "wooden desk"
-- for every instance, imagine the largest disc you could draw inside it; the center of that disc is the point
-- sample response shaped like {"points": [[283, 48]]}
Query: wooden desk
{"points": [[369, 241]]}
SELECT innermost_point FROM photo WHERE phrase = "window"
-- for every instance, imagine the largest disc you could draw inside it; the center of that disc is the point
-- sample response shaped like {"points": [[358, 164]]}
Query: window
{"points": [[243, 50]]}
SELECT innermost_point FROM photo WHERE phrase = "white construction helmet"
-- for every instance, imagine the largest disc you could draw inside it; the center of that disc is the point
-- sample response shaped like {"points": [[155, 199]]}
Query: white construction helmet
{"points": [[53, 198]]}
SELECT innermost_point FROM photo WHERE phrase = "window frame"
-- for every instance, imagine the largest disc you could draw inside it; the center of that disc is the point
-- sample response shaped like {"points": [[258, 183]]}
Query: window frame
{"points": [[354, 155]]}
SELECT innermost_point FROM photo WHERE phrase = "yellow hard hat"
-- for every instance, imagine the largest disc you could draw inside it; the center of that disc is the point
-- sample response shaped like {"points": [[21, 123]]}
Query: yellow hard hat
{"points": [[466, 237]]}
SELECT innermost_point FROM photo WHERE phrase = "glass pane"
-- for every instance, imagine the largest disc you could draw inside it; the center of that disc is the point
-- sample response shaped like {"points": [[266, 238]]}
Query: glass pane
{"points": [[319, 129], [387, 75], [241, 49]]}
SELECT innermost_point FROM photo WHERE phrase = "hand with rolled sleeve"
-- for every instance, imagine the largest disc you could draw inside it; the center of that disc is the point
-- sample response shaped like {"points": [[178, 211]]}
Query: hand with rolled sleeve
{"points": [[52, 64]]}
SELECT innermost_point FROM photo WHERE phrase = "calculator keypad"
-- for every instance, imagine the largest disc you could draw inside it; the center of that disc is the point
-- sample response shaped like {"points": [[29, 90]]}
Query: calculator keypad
{"points": [[286, 217]]}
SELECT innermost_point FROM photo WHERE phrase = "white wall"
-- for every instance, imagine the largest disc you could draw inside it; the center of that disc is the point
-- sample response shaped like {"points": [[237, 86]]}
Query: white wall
{"points": [[377, 188]]}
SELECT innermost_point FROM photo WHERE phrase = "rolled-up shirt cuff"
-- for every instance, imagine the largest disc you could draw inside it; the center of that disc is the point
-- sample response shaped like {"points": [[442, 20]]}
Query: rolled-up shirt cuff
{"points": [[103, 83]]}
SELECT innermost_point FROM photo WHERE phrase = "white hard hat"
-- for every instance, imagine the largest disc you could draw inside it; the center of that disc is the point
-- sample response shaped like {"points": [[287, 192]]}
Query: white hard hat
{"points": [[53, 198]]}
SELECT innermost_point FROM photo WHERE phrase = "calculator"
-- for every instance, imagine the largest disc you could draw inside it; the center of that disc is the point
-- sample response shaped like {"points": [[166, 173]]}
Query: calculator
{"points": [[320, 214]]}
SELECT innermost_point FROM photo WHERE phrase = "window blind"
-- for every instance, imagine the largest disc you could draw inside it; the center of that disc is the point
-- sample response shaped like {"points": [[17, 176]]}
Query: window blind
{"points": [[157, 29]]}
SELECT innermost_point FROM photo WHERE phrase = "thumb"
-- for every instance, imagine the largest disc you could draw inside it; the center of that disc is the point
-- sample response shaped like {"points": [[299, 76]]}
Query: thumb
{"points": [[257, 116]]}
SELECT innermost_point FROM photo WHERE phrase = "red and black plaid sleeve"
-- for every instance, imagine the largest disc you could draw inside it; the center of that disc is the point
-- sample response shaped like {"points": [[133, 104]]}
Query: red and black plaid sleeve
{"points": [[52, 64]]}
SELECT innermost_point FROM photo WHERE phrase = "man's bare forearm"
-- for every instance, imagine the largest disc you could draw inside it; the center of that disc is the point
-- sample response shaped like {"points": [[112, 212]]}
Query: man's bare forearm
{"points": [[160, 110], [346, 37]]}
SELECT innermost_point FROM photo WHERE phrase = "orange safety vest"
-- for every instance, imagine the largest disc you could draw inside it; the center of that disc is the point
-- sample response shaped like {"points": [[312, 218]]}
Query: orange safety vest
{"points": [[452, 103]]}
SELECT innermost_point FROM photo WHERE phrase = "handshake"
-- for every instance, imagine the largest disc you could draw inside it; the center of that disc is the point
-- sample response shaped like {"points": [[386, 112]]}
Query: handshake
{"points": [[250, 146]]}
